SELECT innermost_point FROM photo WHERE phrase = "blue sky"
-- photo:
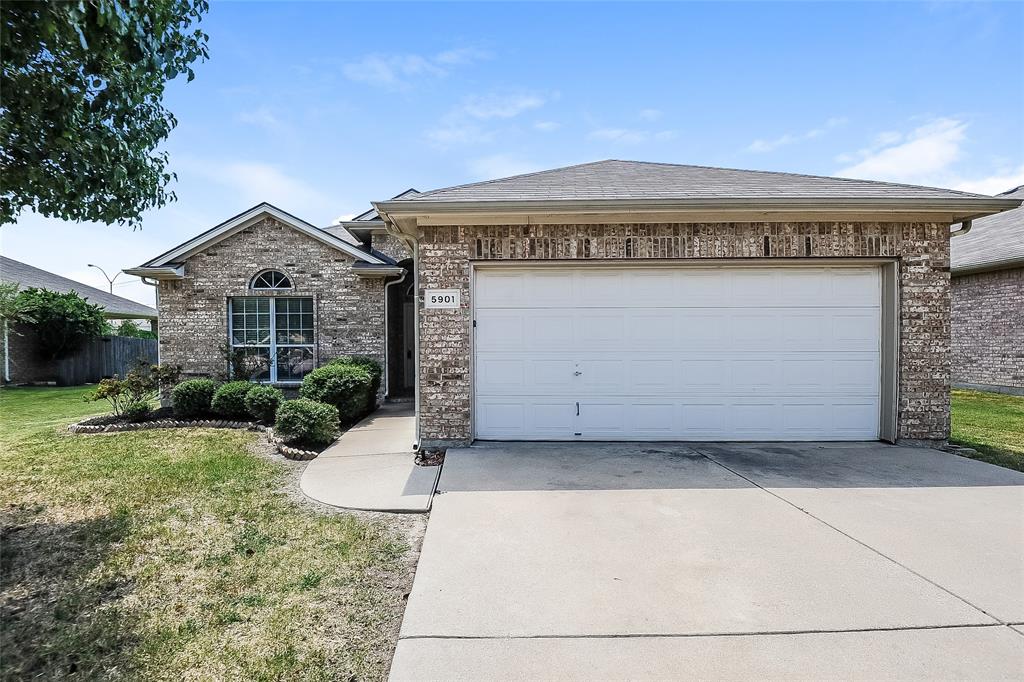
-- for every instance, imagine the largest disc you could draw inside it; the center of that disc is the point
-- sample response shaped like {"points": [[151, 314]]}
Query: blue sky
{"points": [[323, 107]]}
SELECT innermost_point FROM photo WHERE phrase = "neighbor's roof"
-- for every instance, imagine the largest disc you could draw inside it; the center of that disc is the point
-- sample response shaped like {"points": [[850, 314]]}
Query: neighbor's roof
{"points": [[615, 182], [993, 242], [27, 276]]}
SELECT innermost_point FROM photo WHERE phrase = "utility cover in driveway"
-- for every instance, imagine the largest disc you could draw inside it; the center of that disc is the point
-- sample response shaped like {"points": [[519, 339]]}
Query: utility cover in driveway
{"points": [[677, 353]]}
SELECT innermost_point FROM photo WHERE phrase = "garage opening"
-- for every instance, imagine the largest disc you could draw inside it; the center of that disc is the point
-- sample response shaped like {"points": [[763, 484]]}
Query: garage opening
{"points": [[678, 353]]}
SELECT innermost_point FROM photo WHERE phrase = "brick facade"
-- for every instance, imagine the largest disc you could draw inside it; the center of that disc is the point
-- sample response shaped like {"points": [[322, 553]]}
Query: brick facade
{"points": [[446, 254], [348, 310], [988, 330], [390, 245]]}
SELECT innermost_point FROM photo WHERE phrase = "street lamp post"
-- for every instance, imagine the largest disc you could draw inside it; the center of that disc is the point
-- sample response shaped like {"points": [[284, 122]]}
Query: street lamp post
{"points": [[109, 280]]}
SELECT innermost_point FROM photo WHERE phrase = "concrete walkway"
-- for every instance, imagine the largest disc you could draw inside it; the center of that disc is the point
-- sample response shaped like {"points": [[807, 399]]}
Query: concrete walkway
{"points": [[372, 467], [721, 561]]}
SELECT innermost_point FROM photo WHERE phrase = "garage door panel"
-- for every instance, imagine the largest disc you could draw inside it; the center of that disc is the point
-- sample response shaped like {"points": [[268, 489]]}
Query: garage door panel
{"points": [[718, 353]]}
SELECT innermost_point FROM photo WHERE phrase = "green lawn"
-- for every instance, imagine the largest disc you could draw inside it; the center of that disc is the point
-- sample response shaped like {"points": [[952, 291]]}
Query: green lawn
{"points": [[172, 554], [992, 424]]}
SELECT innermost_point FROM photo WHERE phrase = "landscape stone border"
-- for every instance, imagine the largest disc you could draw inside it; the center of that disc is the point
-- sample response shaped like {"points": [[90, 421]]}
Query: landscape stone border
{"points": [[297, 454]]}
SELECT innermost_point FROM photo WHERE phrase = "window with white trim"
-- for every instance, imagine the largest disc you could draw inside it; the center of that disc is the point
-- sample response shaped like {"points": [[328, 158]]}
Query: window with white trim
{"points": [[275, 334], [270, 279]]}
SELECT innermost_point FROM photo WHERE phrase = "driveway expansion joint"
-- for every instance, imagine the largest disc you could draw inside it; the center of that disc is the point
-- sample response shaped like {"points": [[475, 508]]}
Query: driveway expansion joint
{"points": [[948, 591], [682, 635]]}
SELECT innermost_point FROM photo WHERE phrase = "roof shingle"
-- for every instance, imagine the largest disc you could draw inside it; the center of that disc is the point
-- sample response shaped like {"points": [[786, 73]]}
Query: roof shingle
{"points": [[994, 240], [636, 180]]}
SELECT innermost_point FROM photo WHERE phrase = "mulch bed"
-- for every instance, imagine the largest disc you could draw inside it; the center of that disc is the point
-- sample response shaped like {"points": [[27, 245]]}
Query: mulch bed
{"points": [[430, 457], [163, 418]]}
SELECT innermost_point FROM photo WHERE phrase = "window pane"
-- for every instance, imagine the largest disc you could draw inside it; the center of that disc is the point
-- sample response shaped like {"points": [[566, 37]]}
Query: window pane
{"points": [[294, 363], [248, 325], [257, 362]]}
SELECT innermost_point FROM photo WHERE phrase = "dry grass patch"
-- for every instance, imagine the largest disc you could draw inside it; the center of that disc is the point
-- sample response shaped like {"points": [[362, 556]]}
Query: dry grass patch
{"points": [[173, 554]]}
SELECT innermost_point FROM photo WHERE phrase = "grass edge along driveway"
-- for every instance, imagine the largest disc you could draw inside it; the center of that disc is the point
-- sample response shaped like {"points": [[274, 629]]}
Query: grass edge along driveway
{"points": [[173, 554], [992, 424]]}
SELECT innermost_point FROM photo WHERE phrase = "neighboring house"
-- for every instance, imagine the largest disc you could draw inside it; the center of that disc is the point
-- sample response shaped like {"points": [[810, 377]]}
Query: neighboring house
{"points": [[607, 301], [987, 265], [21, 365]]}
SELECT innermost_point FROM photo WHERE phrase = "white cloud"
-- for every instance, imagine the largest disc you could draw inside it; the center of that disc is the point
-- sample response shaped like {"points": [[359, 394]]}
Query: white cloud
{"points": [[762, 146], [251, 182], [650, 114], [396, 71], [462, 125], [926, 152], [547, 126], [996, 183], [263, 117], [630, 135], [484, 107], [500, 166]]}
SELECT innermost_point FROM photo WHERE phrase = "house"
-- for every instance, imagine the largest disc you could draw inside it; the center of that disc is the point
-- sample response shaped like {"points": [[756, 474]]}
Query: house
{"points": [[613, 300], [20, 362], [987, 323]]}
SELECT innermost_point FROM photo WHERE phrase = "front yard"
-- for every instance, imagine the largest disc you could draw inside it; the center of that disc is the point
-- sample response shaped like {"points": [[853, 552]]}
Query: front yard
{"points": [[181, 554], [992, 424]]}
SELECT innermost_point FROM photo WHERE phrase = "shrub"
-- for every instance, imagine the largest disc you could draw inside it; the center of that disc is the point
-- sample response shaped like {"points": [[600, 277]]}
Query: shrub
{"points": [[307, 421], [345, 386], [130, 329], [371, 366], [262, 402], [192, 397], [229, 400], [137, 411], [134, 392]]}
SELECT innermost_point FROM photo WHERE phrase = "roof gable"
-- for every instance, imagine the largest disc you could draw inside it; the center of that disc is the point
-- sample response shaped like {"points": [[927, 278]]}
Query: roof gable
{"points": [[245, 219]]}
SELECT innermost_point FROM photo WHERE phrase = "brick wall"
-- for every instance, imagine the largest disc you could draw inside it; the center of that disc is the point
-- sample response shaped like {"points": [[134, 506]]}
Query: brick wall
{"points": [[445, 362], [988, 329], [390, 246], [348, 310]]}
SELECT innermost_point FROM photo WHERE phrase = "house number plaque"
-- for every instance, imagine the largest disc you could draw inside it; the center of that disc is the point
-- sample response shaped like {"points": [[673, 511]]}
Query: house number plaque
{"points": [[442, 298]]}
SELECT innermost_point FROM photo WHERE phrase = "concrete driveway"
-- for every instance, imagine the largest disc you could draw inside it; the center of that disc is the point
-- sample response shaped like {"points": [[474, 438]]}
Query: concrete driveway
{"points": [[723, 561]]}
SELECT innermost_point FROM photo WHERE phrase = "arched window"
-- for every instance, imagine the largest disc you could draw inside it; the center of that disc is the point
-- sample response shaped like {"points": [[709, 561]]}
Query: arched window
{"points": [[270, 279]]}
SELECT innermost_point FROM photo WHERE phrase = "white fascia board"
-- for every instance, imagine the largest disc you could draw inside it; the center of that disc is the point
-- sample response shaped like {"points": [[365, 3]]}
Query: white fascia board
{"points": [[243, 220], [962, 208], [158, 272]]}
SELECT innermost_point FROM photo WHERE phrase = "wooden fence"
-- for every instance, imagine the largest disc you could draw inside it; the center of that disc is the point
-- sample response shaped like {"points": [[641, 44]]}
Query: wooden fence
{"points": [[105, 357]]}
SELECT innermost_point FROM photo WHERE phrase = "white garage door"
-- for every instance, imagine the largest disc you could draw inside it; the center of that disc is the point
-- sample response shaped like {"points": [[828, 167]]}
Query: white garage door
{"points": [[657, 353]]}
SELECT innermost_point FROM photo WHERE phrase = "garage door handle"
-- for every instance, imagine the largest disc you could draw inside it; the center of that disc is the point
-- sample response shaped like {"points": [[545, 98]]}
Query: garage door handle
{"points": [[577, 373], [577, 409]]}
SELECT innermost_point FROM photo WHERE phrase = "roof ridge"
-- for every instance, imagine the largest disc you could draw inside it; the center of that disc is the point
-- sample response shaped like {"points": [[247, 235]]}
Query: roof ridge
{"points": [[802, 175], [512, 177]]}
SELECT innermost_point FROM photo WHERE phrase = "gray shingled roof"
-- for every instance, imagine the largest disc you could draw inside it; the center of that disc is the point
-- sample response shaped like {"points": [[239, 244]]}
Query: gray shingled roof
{"points": [[27, 276], [636, 180], [993, 241]]}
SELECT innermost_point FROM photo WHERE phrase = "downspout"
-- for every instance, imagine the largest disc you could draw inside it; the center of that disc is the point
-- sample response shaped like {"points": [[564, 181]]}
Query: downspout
{"points": [[387, 323], [964, 228], [156, 285], [413, 244], [7, 355]]}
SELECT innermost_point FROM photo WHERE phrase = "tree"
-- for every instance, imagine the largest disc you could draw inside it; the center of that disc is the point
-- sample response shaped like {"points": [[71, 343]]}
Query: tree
{"points": [[62, 322], [13, 308], [129, 328], [81, 114]]}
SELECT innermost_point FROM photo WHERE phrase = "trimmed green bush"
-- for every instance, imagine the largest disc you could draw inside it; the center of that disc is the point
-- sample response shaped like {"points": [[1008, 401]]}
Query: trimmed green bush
{"points": [[371, 366], [345, 386], [136, 411], [262, 402], [192, 397], [229, 400], [306, 421]]}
